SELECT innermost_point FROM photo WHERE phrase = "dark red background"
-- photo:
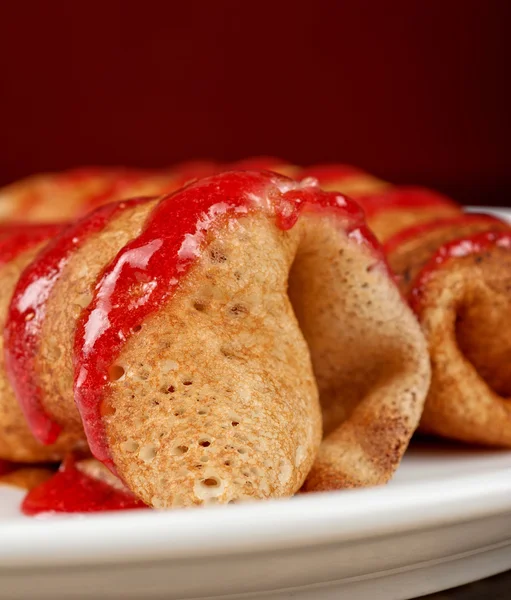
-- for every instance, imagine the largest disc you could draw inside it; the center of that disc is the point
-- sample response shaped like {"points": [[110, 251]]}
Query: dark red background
{"points": [[412, 90]]}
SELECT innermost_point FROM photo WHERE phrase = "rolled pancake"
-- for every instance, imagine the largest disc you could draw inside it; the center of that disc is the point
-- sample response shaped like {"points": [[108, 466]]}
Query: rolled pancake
{"points": [[457, 275], [193, 365], [256, 428], [394, 209], [47, 291], [342, 178], [17, 248], [53, 197], [67, 195]]}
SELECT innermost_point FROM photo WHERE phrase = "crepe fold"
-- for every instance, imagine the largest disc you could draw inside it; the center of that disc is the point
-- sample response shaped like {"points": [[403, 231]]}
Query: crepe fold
{"points": [[393, 209], [211, 336], [67, 195], [457, 276]]}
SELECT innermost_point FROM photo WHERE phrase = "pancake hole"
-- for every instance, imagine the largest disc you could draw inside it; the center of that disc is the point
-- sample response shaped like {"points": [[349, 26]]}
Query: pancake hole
{"points": [[187, 382], [137, 328], [179, 412], [179, 450], [202, 412], [238, 310], [199, 306], [130, 446], [227, 463], [170, 390], [235, 423], [211, 482], [147, 453], [242, 450], [115, 372], [204, 443]]}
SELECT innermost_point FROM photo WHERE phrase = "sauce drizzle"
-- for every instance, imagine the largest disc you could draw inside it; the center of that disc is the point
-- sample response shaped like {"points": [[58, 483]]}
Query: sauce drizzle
{"points": [[414, 231], [403, 198], [27, 312], [458, 248], [73, 491], [15, 238]]}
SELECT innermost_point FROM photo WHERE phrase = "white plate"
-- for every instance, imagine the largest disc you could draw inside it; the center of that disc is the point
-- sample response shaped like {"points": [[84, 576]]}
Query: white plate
{"points": [[444, 521]]}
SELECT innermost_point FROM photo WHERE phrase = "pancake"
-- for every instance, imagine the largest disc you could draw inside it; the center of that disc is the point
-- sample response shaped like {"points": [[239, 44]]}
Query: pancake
{"points": [[215, 332], [230, 346], [67, 195], [346, 179], [46, 299], [396, 208], [457, 276], [18, 247]]}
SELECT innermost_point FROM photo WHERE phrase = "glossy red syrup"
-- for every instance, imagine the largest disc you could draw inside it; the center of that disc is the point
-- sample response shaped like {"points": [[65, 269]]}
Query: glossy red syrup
{"points": [[331, 173], [148, 270], [15, 238], [411, 233], [403, 198], [27, 312], [72, 491], [466, 246], [188, 172]]}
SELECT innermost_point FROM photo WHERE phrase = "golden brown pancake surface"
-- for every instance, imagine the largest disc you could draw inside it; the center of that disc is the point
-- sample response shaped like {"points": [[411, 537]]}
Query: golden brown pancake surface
{"points": [[457, 276]]}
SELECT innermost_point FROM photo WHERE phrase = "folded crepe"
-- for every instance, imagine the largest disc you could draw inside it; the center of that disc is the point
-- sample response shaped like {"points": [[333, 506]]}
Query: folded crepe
{"points": [[19, 244], [347, 179], [56, 197], [206, 333], [457, 275], [53, 197], [396, 208]]}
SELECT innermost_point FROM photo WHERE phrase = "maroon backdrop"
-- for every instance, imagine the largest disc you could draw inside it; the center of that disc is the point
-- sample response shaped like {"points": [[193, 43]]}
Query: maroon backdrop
{"points": [[411, 90]]}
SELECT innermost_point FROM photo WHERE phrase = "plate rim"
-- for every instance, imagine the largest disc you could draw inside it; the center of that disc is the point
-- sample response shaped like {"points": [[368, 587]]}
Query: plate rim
{"points": [[337, 517]]}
